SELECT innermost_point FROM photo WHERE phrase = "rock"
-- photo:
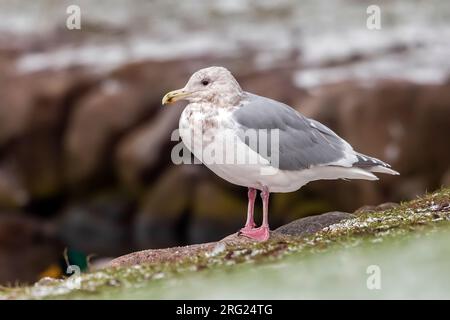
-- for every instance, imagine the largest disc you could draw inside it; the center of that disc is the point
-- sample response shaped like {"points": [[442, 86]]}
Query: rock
{"points": [[391, 120], [177, 254], [387, 206], [147, 148], [300, 227], [411, 186], [312, 224], [428, 147], [160, 255], [273, 83], [99, 118], [381, 207], [446, 179], [33, 111], [12, 191], [123, 100]]}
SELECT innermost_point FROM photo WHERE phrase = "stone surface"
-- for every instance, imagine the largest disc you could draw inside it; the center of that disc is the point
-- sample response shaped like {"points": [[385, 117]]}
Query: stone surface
{"points": [[312, 224], [33, 113], [123, 99], [383, 206], [147, 148], [177, 254], [13, 193], [300, 227], [399, 122]]}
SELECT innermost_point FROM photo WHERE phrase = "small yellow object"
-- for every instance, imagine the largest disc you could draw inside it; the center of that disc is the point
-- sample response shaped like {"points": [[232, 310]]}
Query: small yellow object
{"points": [[52, 271]]}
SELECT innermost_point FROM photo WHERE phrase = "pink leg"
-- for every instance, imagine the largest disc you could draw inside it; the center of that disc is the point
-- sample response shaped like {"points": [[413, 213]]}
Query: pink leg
{"points": [[261, 233], [250, 223]]}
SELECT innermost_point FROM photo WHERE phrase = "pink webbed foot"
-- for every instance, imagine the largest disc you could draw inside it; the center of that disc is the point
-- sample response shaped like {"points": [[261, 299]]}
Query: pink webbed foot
{"points": [[259, 234], [247, 228]]}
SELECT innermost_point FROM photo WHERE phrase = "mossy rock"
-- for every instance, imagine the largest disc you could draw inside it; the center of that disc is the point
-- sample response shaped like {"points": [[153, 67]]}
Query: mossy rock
{"points": [[409, 243]]}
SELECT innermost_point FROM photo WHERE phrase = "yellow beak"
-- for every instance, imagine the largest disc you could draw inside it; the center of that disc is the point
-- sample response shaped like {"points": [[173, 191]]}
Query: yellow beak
{"points": [[173, 96]]}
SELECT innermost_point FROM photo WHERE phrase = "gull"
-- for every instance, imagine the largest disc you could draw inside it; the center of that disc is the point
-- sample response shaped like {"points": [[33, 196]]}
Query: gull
{"points": [[262, 144]]}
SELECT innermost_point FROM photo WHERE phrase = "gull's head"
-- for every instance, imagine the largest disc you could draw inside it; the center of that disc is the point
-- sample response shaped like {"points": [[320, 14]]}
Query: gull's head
{"points": [[210, 85]]}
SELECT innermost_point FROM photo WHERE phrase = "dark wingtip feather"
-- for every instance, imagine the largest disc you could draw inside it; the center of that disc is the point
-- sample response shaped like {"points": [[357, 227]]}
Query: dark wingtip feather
{"points": [[367, 162]]}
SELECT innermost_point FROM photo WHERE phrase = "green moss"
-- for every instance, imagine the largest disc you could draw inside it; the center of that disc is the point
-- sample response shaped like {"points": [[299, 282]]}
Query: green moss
{"points": [[418, 217]]}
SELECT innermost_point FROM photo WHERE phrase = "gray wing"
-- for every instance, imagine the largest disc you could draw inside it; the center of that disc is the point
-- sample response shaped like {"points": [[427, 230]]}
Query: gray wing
{"points": [[303, 142]]}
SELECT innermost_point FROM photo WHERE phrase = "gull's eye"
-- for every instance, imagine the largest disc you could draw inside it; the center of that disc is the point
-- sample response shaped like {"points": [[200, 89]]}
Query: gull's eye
{"points": [[205, 82]]}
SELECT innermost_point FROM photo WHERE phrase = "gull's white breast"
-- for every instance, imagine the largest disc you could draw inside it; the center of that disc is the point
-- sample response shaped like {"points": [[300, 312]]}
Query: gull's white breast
{"points": [[204, 128]]}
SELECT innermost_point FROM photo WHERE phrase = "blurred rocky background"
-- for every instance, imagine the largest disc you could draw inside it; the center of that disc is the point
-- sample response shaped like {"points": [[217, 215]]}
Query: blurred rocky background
{"points": [[85, 144]]}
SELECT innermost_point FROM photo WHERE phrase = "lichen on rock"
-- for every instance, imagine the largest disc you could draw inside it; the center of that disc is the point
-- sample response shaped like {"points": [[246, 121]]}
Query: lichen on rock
{"points": [[418, 217]]}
